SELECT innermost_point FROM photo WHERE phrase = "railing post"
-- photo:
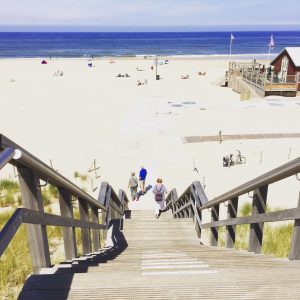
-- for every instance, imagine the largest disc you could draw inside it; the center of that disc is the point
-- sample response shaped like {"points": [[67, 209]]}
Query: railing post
{"points": [[214, 235], [37, 234], [295, 243], [95, 232], [66, 210], [231, 214], [256, 229], [190, 210], [174, 200], [85, 232]]}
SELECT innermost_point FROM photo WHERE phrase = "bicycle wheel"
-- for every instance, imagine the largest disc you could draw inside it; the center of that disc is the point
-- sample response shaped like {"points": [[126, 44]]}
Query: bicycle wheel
{"points": [[243, 159]]}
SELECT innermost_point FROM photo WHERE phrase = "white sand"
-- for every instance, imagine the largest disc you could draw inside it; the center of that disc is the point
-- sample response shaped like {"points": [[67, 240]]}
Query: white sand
{"points": [[89, 113]]}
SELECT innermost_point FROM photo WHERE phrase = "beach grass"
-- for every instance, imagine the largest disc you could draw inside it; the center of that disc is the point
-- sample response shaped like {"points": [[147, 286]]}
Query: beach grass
{"points": [[276, 238]]}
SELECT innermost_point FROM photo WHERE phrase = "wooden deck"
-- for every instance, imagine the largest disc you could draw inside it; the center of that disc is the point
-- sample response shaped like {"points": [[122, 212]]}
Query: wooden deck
{"points": [[231, 137], [163, 259]]}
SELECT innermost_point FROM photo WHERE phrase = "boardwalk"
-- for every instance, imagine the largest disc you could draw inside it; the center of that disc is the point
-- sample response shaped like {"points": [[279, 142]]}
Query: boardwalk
{"points": [[163, 259], [231, 137]]}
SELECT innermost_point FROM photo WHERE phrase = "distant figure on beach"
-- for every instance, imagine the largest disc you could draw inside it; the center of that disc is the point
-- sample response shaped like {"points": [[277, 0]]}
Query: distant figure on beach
{"points": [[133, 185], [159, 191], [185, 77], [142, 179], [201, 73], [152, 68]]}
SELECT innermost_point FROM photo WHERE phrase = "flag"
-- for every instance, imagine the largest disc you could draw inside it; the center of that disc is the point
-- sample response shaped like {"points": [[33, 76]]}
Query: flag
{"points": [[232, 38], [271, 44]]}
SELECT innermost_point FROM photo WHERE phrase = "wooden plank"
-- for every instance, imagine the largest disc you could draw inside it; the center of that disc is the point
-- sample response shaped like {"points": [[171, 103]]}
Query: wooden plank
{"points": [[103, 194], [200, 192], [37, 234], [66, 210], [231, 214], [183, 208], [295, 243], [85, 232], [174, 201], [95, 232], [35, 217], [214, 234], [256, 229], [10, 229], [278, 216]]}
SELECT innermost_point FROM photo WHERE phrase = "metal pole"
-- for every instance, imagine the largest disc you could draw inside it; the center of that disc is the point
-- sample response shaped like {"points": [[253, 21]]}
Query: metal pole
{"points": [[7, 154]]}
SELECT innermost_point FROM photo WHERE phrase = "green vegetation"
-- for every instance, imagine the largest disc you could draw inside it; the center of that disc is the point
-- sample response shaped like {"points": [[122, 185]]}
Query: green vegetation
{"points": [[15, 264], [82, 177], [276, 239], [9, 191]]}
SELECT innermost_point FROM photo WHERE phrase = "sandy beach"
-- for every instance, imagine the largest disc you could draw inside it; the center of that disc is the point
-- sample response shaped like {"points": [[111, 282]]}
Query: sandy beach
{"points": [[89, 113]]}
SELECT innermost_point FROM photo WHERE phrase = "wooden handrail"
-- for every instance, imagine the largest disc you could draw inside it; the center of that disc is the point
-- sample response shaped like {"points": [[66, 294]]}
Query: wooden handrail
{"points": [[284, 171], [30, 171], [45, 172], [193, 202]]}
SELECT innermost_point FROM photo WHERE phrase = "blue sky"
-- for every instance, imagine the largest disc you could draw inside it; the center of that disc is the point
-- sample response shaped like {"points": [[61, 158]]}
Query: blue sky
{"points": [[196, 14]]}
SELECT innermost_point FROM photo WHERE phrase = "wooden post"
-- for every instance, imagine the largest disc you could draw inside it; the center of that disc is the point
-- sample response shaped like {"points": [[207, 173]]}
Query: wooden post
{"points": [[85, 232], [37, 234], [104, 231], [214, 234], [66, 210], [256, 229], [174, 200], [295, 243], [197, 226], [231, 214], [95, 232]]}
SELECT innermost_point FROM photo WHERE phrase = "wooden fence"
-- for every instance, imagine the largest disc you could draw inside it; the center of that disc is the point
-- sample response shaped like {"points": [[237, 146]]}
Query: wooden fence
{"points": [[193, 202], [30, 171]]}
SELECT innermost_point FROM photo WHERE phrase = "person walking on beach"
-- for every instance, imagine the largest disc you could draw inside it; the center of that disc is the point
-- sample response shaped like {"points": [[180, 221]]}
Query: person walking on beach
{"points": [[159, 191], [133, 185], [142, 179]]}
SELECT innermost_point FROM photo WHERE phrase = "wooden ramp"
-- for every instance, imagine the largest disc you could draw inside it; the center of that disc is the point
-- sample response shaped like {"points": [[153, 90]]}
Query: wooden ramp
{"points": [[163, 259]]}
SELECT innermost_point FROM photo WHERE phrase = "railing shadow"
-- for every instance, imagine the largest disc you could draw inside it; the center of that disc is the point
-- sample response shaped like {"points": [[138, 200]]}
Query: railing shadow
{"points": [[62, 278]]}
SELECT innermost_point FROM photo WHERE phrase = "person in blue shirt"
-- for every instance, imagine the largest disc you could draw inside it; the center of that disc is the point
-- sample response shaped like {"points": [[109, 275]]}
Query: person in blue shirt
{"points": [[142, 179]]}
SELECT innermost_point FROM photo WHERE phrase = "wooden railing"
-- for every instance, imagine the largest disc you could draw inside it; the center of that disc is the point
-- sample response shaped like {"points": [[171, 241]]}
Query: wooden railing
{"points": [[193, 202], [30, 171]]}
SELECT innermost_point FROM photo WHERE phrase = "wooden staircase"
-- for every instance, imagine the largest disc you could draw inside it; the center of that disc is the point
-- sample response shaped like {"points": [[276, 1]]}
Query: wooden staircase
{"points": [[163, 259]]}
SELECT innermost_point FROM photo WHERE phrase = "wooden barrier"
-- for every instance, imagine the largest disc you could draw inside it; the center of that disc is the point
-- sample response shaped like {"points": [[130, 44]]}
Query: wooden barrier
{"points": [[198, 203], [30, 171]]}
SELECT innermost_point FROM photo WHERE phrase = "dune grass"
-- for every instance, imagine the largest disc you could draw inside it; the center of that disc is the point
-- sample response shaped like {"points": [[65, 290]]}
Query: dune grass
{"points": [[276, 238], [15, 263]]}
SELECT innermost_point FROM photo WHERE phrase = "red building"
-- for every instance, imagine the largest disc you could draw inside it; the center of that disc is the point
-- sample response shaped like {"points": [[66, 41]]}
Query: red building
{"points": [[287, 64]]}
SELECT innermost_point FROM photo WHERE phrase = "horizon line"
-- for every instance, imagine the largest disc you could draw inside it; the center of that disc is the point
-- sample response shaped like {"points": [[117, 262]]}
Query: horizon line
{"points": [[132, 28]]}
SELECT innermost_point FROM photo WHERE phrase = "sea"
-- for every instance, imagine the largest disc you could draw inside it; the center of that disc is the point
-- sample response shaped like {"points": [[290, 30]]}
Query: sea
{"points": [[131, 44]]}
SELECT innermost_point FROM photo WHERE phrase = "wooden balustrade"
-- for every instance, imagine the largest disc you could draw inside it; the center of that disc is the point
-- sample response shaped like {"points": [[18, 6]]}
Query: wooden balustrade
{"points": [[194, 199], [30, 171]]}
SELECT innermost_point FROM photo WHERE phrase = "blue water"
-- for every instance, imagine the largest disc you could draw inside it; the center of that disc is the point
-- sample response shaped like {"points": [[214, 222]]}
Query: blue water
{"points": [[73, 44]]}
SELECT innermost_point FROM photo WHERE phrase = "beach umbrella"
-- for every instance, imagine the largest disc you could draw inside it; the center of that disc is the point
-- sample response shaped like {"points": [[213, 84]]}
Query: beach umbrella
{"points": [[44, 62]]}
